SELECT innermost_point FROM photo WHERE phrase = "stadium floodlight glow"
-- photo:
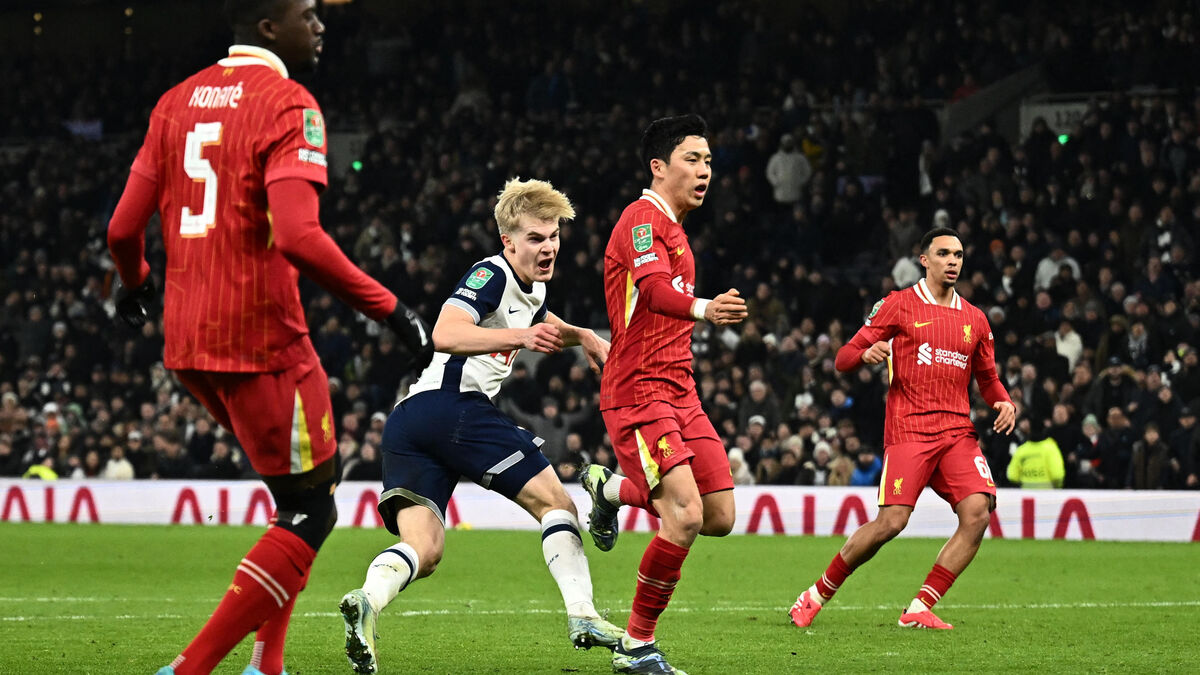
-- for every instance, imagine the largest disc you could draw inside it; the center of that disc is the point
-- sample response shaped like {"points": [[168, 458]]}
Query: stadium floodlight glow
{"points": [[1063, 138]]}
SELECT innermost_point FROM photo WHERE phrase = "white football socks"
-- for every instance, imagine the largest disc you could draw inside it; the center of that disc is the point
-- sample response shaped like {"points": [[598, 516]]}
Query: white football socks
{"points": [[612, 490], [916, 606], [630, 643], [816, 595], [563, 550], [389, 573]]}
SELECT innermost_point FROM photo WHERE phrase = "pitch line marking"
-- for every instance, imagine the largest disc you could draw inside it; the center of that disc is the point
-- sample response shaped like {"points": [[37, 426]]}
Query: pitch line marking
{"points": [[727, 608]]}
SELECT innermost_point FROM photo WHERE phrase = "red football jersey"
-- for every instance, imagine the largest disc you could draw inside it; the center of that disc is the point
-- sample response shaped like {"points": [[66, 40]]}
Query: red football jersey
{"points": [[215, 141], [935, 352], [651, 354]]}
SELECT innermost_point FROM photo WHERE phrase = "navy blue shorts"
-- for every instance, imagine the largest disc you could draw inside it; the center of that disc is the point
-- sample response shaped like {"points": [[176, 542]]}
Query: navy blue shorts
{"points": [[436, 437]]}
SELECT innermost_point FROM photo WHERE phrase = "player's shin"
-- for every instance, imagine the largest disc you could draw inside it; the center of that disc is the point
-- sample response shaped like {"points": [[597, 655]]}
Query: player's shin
{"points": [[562, 548], [270, 575], [389, 573], [267, 656], [658, 573]]}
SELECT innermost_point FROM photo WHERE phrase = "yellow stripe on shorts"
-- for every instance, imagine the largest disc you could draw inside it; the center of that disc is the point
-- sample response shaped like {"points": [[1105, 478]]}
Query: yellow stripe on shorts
{"points": [[649, 466]]}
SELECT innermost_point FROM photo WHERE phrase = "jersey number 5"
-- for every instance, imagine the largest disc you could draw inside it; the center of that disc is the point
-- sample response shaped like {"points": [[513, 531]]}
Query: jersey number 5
{"points": [[200, 169]]}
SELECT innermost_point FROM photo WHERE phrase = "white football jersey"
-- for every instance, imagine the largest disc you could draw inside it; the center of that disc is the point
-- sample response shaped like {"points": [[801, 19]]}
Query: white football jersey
{"points": [[495, 297]]}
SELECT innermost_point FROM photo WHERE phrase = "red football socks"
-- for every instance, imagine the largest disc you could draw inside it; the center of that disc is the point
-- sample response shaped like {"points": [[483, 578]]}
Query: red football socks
{"points": [[270, 638], [936, 584], [266, 582], [632, 495], [657, 576], [834, 575]]}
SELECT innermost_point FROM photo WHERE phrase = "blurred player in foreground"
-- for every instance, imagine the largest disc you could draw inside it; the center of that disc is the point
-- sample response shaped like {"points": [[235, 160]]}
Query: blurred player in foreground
{"points": [[675, 463], [934, 342], [447, 426], [233, 162]]}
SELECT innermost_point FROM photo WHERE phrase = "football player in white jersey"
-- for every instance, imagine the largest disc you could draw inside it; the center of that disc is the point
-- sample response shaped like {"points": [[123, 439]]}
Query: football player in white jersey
{"points": [[447, 426]]}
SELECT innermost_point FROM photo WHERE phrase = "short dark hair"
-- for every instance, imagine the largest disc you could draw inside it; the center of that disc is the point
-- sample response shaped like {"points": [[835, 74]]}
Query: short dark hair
{"points": [[936, 232], [664, 134], [241, 14]]}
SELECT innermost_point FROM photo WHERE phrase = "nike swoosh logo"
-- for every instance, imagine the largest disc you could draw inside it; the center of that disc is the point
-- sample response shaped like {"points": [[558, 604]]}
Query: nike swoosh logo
{"points": [[513, 310], [921, 324], [679, 251]]}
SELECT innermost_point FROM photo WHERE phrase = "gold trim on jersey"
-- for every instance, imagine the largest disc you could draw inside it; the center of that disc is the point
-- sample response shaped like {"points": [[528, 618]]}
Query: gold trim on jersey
{"points": [[249, 55], [630, 297], [657, 200]]}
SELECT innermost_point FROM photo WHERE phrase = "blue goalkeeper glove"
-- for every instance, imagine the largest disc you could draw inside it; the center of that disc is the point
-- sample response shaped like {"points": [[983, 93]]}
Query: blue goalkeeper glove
{"points": [[133, 305]]}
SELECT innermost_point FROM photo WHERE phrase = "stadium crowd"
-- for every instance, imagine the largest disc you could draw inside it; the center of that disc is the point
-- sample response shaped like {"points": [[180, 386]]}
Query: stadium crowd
{"points": [[828, 166]]}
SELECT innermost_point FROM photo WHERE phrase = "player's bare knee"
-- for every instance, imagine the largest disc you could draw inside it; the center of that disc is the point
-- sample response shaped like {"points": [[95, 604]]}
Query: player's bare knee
{"points": [[687, 518], [891, 522], [975, 522], [717, 527]]}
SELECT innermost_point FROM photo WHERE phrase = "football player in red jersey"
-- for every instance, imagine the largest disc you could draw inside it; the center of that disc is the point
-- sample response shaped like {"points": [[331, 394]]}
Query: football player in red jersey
{"points": [[675, 463], [233, 162], [934, 342]]}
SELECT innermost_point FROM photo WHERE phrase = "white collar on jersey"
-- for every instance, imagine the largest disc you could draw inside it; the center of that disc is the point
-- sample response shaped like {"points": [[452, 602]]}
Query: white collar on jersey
{"points": [[922, 291], [657, 200], [249, 55]]}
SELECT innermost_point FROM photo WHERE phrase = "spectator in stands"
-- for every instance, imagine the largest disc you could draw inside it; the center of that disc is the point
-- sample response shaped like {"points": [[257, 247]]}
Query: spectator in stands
{"points": [[368, 467], [1150, 465], [737, 464], [1068, 343], [1038, 462], [117, 467], [1115, 449], [867, 467], [172, 461], [787, 172], [223, 463], [1184, 443], [10, 461]]}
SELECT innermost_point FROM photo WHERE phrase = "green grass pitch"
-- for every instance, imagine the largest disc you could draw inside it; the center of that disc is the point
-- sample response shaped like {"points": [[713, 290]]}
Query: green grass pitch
{"points": [[125, 599]]}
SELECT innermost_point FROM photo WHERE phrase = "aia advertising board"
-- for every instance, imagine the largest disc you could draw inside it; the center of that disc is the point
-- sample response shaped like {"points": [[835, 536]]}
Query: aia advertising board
{"points": [[1117, 515]]}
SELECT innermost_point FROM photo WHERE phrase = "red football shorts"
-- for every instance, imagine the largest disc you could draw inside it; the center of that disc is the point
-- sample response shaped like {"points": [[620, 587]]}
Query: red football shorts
{"points": [[653, 438], [283, 420], [953, 466]]}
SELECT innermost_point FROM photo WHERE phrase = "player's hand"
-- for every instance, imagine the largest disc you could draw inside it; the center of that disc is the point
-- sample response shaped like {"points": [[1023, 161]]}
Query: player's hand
{"points": [[1006, 417], [595, 348], [726, 309], [541, 337], [414, 333], [876, 353], [133, 305]]}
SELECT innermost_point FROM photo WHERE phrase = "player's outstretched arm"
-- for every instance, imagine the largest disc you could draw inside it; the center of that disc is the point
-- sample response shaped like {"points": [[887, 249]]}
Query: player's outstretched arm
{"points": [[298, 234], [595, 348], [457, 333]]}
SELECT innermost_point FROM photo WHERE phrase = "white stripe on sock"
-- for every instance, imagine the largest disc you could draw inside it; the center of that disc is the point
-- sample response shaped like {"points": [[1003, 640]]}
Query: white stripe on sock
{"points": [[253, 574], [664, 585], [267, 575]]}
